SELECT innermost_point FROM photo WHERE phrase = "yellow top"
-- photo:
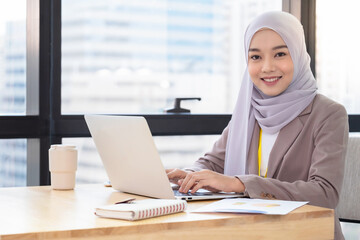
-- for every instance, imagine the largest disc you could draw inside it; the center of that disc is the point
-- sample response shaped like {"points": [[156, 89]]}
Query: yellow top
{"points": [[259, 154]]}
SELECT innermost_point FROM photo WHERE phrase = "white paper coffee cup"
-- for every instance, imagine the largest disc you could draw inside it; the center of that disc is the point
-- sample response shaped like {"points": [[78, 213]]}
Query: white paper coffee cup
{"points": [[63, 166]]}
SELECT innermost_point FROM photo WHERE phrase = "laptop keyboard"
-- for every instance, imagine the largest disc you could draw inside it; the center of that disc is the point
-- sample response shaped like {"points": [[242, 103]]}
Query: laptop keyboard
{"points": [[177, 193]]}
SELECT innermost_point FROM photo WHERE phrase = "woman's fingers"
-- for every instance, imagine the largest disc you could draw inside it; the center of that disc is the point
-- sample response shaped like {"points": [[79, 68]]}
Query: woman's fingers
{"points": [[197, 186], [208, 182], [206, 179], [175, 175], [188, 182], [192, 179], [211, 181]]}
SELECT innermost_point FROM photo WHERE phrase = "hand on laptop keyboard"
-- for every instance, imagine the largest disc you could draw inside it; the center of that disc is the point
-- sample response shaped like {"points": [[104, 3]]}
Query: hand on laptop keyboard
{"points": [[174, 186]]}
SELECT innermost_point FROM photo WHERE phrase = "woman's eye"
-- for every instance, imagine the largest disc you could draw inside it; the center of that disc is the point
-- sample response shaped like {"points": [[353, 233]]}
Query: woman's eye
{"points": [[255, 57], [280, 54]]}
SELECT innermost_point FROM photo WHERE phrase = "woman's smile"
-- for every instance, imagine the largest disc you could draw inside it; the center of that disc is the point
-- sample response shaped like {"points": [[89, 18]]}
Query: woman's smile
{"points": [[270, 81]]}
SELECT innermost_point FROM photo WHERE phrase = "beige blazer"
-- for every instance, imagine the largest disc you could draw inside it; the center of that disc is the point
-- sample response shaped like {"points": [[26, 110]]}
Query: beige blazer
{"points": [[306, 162]]}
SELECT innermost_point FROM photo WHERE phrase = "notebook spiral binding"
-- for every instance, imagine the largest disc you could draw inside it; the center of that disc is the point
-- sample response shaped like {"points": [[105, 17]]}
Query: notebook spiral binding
{"points": [[148, 213]]}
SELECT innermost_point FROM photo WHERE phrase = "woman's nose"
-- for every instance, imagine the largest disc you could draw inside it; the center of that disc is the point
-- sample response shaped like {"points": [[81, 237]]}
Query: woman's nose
{"points": [[268, 65]]}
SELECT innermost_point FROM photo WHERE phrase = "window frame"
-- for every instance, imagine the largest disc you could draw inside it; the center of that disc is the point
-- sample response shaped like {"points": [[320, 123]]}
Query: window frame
{"points": [[45, 125]]}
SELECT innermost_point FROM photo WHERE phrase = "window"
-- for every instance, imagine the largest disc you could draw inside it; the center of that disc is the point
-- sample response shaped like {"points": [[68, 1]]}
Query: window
{"points": [[12, 57], [137, 56], [13, 165], [118, 57], [337, 48], [12, 162]]}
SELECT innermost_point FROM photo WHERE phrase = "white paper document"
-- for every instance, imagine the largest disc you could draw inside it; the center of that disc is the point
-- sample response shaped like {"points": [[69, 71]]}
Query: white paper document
{"points": [[247, 205]]}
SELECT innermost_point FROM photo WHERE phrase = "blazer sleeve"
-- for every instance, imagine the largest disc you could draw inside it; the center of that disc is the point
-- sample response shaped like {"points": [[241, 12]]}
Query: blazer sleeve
{"points": [[215, 159], [325, 174]]}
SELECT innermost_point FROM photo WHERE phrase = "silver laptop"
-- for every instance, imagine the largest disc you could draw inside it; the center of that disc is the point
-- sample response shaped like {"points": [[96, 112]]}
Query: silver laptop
{"points": [[131, 160]]}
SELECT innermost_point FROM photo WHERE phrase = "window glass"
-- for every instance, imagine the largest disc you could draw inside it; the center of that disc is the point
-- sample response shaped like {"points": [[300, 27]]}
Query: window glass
{"points": [[12, 57], [172, 154], [337, 43], [12, 162], [137, 56]]}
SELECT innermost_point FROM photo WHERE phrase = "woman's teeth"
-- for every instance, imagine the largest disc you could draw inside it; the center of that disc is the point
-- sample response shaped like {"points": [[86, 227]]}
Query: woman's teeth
{"points": [[271, 79]]}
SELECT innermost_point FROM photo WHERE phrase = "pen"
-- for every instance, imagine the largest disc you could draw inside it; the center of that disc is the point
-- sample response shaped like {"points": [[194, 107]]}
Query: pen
{"points": [[126, 200]]}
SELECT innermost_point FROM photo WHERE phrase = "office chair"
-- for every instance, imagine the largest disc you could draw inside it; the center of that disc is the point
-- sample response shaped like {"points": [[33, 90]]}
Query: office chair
{"points": [[348, 209]]}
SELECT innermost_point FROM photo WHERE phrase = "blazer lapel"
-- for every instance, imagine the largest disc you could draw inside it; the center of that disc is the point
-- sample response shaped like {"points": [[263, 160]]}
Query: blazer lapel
{"points": [[252, 160], [285, 139]]}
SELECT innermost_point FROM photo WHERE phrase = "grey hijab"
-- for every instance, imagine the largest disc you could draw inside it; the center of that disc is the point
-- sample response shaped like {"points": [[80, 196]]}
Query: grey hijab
{"points": [[272, 113]]}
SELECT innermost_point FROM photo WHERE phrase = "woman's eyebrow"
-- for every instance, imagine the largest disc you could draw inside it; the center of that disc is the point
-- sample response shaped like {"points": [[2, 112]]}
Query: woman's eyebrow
{"points": [[254, 50], [279, 47], [274, 48]]}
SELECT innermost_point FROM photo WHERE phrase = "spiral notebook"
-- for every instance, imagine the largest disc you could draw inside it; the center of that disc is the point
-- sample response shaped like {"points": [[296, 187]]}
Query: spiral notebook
{"points": [[141, 209]]}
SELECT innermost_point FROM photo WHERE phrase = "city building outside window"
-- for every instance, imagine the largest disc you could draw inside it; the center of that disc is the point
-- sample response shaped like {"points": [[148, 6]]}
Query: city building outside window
{"points": [[12, 88], [136, 57]]}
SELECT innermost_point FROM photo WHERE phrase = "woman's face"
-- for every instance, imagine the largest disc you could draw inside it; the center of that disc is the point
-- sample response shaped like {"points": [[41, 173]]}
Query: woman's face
{"points": [[269, 63]]}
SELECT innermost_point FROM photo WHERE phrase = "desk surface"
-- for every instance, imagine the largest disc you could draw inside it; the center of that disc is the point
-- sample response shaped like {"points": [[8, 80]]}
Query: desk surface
{"points": [[42, 213]]}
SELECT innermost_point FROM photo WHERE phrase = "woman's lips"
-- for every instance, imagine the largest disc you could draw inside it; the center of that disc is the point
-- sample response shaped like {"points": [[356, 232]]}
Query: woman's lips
{"points": [[271, 80]]}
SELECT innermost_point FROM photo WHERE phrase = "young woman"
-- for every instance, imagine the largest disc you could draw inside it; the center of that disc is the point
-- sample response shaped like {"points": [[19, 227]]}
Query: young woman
{"points": [[284, 141]]}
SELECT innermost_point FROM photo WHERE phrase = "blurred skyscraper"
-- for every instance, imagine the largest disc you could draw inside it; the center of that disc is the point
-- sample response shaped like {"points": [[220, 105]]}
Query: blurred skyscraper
{"points": [[12, 100]]}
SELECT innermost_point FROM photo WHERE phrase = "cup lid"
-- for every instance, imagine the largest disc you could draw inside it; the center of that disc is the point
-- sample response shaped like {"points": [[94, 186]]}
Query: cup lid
{"points": [[63, 146]]}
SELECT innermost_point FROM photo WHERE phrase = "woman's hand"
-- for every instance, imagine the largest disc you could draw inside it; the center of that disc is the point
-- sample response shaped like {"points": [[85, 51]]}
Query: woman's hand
{"points": [[175, 175], [206, 179]]}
